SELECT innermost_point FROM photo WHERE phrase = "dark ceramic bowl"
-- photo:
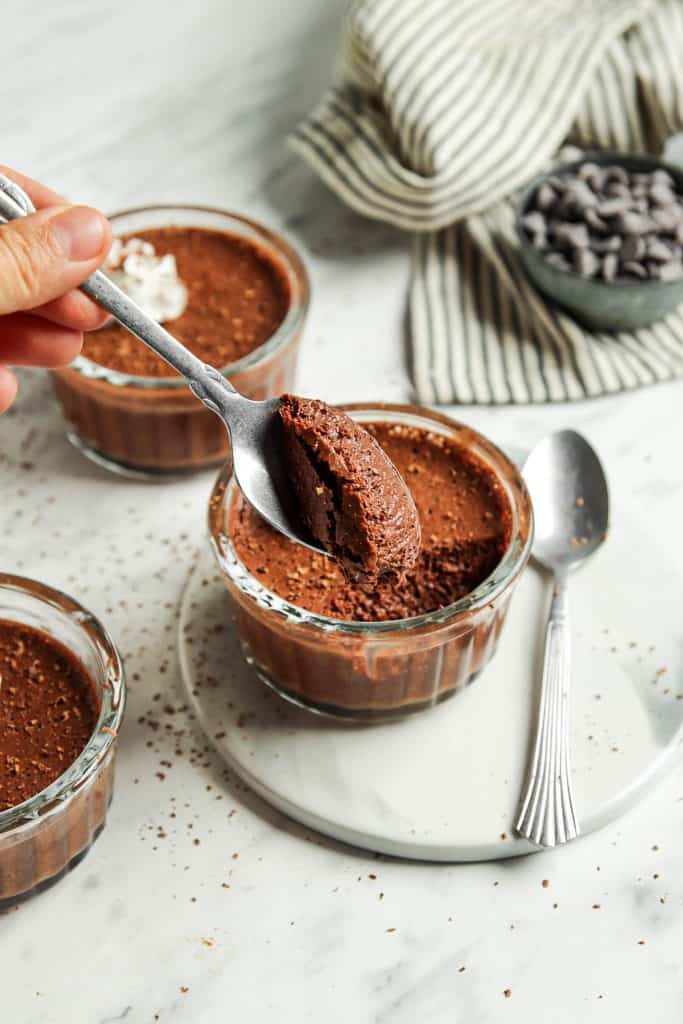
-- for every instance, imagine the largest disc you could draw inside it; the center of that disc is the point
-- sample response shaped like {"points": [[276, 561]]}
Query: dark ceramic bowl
{"points": [[600, 304]]}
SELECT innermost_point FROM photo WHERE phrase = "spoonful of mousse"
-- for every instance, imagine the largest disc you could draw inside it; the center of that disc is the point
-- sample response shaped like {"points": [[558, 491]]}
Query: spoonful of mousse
{"points": [[350, 496], [308, 469]]}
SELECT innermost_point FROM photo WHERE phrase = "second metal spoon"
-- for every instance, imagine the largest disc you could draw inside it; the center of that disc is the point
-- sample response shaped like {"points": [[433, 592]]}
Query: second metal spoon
{"points": [[571, 514]]}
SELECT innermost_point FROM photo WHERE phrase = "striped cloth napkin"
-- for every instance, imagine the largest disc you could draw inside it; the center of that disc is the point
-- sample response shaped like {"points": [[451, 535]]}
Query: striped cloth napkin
{"points": [[443, 110]]}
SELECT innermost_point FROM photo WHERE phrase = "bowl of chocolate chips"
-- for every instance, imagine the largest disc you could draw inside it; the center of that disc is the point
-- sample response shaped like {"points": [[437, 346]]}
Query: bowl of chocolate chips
{"points": [[603, 238]]}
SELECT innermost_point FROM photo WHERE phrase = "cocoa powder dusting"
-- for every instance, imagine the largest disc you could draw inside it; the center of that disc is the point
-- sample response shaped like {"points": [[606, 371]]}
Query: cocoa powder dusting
{"points": [[48, 711], [238, 295]]}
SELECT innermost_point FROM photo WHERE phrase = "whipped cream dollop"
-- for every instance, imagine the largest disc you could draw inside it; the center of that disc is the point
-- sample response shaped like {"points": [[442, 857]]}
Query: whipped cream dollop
{"points": [[150, 280]]}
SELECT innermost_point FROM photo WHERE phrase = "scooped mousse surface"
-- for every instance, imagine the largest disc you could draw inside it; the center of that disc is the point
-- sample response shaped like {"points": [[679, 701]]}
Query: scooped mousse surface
{"points": [[466, 527], [351, 498], [48, 711], [238, 295]]}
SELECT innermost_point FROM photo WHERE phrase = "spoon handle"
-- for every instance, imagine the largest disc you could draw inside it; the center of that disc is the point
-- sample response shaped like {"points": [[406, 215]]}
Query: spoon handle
{"points": [[209, 386], [206, 383], [547, 816]]}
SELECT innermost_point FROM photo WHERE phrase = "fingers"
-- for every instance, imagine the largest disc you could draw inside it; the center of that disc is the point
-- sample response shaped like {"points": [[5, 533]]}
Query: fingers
{"points": [[40, 195], [27, 340], [8, 388], [42, 258], [74, 310], [45, 255]]}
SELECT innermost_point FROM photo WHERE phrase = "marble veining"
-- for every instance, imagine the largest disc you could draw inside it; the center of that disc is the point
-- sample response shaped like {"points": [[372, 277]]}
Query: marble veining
{"points": [[199, 903]]}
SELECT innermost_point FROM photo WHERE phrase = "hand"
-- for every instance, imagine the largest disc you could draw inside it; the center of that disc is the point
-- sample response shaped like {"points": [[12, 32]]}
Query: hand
{"points": [[43, 257]]}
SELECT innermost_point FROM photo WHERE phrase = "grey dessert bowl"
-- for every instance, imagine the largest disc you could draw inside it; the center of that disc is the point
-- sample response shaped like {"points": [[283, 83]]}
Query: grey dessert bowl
{"points": [[599, 304]]}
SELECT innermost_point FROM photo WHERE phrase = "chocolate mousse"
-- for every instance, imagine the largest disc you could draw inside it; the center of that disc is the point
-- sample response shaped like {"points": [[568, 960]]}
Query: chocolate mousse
{"points": [[48, 711], [466, 527], [351, 498], [232, 291], [238, 295]]}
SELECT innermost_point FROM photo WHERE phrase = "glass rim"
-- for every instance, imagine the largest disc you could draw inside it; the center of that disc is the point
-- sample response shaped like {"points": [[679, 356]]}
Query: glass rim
{"points": [[112, 695], [283, 251], [507, 570]]}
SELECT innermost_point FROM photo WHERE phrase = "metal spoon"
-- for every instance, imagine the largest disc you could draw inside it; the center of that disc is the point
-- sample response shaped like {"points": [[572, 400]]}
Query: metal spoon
{"points": [[253, 427], [571, 512]]}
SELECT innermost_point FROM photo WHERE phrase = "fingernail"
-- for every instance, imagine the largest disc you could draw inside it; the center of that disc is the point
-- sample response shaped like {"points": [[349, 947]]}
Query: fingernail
{"points": [[79, 232]]}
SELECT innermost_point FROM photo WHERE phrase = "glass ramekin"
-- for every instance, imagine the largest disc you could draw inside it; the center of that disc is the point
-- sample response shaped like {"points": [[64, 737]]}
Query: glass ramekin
{"points": [[154, 426], [376, 669], [48, 834]]}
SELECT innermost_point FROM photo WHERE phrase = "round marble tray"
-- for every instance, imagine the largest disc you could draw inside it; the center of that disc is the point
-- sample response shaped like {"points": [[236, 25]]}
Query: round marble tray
{"points": [[444, 784]]}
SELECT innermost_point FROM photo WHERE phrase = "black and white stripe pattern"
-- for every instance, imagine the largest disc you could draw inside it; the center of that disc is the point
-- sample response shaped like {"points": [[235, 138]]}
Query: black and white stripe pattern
{"points": [[446, 108], [486, 336]]}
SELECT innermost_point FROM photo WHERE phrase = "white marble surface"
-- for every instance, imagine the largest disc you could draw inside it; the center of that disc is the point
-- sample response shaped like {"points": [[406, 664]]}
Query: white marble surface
{"points": [[261, 920]]}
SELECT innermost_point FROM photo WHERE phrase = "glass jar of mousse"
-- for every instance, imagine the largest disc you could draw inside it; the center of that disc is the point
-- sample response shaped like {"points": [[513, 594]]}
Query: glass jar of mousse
{"points": [[154, 427], [48, 834], [370, 670]]}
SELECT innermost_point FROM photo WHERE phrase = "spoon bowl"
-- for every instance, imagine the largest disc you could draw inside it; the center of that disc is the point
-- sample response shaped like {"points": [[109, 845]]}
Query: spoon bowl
{"points": [[570, 497]]}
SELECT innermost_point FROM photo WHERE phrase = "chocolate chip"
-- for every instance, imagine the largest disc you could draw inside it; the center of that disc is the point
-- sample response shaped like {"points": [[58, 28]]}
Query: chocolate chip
{"points": [[640, 205], [588, 171], [556, 259], [672, 271], [632, 248], [573, 235], [662, 177], [616, 173], [546, 197], [658, 250], [666, 218], [610, 265], [611, 244], [617, 188], [582, 196], [630, 223], [586, 262], [595, 221], [662, 195], [612, 207], [534, 222]]}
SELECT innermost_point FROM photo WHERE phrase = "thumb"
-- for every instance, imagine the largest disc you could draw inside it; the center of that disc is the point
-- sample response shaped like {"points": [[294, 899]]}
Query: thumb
{"points": [[48, 253]]}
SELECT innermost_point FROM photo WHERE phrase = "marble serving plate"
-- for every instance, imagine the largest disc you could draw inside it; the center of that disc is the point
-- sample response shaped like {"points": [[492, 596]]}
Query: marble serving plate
{"points": [[444, 784]]}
